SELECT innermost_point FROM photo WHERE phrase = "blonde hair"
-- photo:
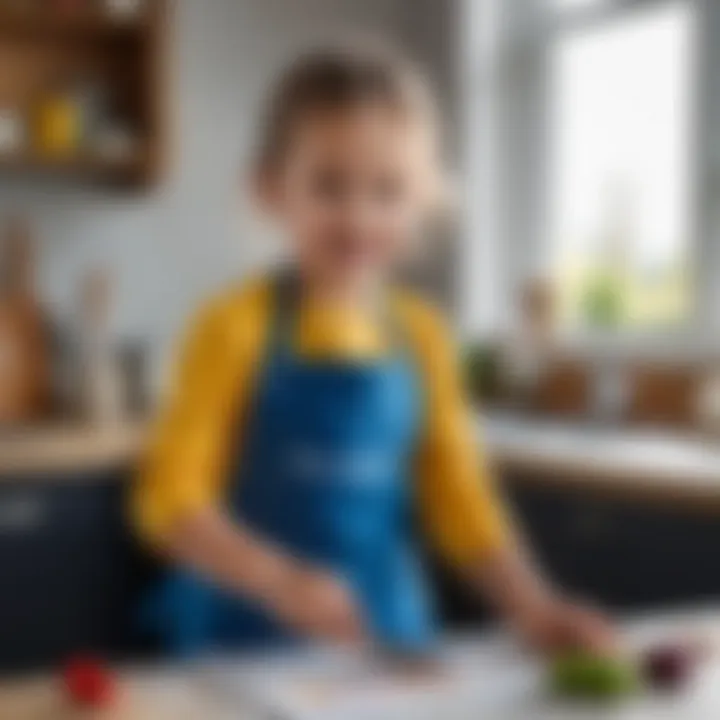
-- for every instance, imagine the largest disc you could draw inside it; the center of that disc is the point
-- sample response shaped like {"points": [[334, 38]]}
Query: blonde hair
{"points": [[332, 79]]}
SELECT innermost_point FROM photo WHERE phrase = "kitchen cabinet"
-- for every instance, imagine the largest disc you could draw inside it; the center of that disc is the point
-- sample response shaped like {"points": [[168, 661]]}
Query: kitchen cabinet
{"points": [[71, 576], [622, 553]]}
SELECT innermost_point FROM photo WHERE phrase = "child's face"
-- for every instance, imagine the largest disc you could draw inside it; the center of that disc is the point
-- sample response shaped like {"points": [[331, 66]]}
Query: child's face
{"points": [[353, 190]]}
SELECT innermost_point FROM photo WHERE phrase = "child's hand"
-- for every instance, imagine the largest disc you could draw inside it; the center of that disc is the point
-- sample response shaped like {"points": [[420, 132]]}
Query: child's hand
{"points": [[557, 625], [318, 605]]}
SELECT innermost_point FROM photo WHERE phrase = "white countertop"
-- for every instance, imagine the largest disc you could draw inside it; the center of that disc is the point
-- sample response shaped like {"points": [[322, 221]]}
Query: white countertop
{"points": [[487, 676], [654, 460]]}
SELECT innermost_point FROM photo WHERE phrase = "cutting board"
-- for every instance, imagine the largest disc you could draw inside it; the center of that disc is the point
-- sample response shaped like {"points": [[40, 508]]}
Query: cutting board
{"points": [[23, 362], [24, 346]]}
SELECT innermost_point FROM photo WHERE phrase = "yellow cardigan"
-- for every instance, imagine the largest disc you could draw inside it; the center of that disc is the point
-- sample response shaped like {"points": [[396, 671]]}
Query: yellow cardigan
{"points": [[202, 421]]}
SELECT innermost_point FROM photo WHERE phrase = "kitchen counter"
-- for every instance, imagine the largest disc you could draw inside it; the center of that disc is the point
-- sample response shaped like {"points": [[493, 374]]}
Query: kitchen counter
{"points": [[486, 674], [68, 448], [654, 465], [651, 464], [143, 695]]}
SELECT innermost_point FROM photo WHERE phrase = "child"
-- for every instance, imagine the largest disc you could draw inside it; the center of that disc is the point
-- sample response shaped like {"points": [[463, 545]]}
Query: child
{"points": [[316, 410]]}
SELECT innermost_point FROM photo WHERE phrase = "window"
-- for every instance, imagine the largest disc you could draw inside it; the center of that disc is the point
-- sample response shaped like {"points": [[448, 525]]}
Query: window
{"points": [[576, 4], [619, 238]]}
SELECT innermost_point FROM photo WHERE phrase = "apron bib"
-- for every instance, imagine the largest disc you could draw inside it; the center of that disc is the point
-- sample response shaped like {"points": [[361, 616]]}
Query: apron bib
{"points": [[323, 474]]}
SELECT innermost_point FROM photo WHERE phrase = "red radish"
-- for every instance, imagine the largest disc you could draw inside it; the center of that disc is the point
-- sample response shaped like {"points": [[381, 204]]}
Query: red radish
{"points": [[670, 666], [89, 683]]}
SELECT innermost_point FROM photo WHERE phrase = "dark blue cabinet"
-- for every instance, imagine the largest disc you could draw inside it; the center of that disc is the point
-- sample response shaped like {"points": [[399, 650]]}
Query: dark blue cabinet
{"points": [[72, 578], [70, 574], [623, 553]]}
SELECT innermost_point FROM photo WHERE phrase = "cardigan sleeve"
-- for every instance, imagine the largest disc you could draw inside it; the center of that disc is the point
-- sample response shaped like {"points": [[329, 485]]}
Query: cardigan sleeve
{"points": [[458, 505], [201, 421]]}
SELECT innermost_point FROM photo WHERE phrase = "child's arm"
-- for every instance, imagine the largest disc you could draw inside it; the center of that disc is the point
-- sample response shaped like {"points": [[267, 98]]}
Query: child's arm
{"points": [[309, 601], [177, 503], [465, 518], [536, 611]]}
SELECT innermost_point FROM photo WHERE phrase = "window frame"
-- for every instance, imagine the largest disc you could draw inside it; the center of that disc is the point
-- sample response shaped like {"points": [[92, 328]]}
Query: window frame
{"points": [[527, 31]]}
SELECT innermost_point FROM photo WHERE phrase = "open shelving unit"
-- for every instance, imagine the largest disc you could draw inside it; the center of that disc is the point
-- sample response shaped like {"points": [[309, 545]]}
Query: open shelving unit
{"points": [[125, 55]]}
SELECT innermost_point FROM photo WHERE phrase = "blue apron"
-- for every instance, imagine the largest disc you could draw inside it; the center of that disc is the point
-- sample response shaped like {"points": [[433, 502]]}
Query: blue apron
{"points": [[323, 474]]}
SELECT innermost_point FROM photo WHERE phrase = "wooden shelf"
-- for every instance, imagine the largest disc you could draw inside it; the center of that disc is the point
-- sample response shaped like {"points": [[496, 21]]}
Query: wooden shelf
{"points": [[126, 169], [45, 24], [124, 60]]}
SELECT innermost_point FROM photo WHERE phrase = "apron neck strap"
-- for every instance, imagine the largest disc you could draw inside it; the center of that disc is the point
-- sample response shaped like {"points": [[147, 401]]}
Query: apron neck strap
{"points": [[287, 296], [287, 302]]}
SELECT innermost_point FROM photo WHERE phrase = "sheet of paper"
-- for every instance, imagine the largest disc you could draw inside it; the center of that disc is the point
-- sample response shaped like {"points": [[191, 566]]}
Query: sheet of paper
{"points": [[334, 686], [486, 678]]}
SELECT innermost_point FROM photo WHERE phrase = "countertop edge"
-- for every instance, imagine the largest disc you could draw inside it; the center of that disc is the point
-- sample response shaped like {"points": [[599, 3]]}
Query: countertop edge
{"points": [[54, 451], [83, 451], [647, 477]]}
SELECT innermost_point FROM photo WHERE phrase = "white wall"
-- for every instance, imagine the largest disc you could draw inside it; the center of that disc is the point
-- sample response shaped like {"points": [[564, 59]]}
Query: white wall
{"points": [[433, 39], [175, 246]]}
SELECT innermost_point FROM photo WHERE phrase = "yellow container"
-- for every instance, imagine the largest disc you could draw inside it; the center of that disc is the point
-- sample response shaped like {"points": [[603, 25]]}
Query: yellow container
{"points": [[58, 126]]}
